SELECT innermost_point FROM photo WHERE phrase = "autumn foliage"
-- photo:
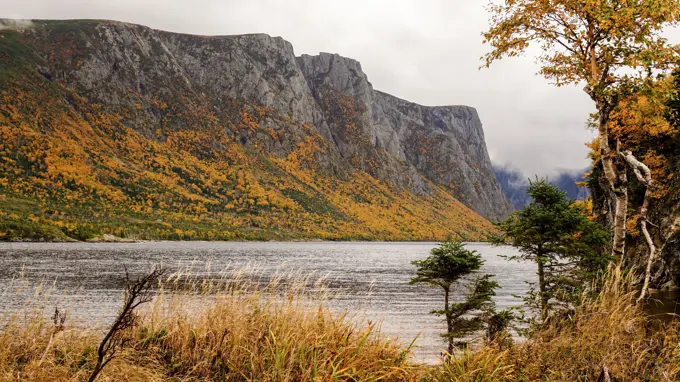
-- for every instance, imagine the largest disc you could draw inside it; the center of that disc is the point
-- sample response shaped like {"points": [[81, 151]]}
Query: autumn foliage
{"points": [[71, 167]]}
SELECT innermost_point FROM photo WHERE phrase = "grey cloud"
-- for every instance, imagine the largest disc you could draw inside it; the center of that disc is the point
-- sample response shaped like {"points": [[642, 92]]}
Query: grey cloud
{"points": [[426, 51]]}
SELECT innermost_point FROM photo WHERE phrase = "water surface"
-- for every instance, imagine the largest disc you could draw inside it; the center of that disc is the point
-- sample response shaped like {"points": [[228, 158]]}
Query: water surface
{"points": [[373, 276]]}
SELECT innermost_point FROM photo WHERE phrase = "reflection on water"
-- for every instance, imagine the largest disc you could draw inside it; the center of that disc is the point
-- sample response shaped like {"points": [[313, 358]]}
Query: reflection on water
{"points": [[373, 276]]}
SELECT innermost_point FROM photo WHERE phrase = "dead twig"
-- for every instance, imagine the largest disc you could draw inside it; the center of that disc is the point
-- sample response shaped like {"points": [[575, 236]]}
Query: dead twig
{"points": [[136, 294], [58, 318]]}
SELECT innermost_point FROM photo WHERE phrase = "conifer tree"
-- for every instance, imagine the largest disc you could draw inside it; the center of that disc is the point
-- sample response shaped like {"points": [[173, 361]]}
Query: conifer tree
{"points": [[447, 267], [555, 233]]}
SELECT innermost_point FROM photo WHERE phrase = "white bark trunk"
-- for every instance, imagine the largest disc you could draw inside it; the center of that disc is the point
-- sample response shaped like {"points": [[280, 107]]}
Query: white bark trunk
{"points": [[644, 175], [618, 185]]}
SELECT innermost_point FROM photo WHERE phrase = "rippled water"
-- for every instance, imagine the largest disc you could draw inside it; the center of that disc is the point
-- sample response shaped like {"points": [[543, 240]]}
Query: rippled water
{"points": [[373, 276]]}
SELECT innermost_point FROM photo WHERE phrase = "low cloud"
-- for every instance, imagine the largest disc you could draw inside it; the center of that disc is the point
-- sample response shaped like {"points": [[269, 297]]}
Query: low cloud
{"points": [[15, 24]]}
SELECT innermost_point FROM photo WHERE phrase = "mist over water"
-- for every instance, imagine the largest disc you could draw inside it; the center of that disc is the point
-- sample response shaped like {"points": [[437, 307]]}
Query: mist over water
{"points": [[372, 278]]}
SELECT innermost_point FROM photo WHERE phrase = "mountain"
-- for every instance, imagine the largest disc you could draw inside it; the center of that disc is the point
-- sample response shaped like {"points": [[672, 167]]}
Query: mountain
{"points": [[568, 181], [114, 128], [515, 185]]}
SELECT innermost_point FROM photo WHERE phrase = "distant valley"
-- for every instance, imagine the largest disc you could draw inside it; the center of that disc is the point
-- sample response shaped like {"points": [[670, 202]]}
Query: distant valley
{"points": [[515, 184]]}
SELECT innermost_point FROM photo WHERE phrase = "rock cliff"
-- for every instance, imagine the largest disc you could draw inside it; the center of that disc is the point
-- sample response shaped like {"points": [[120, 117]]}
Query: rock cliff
{"points": [[249, 94], [444, 145]]}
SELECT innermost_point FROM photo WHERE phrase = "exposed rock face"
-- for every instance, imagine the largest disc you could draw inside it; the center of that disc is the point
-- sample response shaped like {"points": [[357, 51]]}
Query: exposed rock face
{"points": [[445, 145], [408, 145]]}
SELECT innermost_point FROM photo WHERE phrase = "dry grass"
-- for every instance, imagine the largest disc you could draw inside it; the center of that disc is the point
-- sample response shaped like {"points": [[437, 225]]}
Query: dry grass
{"points": [[484, 364], [203, 330], [607, 330]]}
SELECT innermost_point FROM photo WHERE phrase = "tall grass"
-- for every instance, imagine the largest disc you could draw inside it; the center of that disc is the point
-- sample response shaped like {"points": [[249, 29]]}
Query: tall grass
{"points": [[215, 330], [607, 331], [245, 329]]}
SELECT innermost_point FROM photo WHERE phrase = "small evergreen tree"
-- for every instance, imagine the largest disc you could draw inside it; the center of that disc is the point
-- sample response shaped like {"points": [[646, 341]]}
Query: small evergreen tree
{"points": [[556, 234], [445, 268], [498, 325]]}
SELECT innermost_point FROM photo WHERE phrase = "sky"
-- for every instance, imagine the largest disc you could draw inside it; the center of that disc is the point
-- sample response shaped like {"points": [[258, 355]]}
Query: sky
{"points": [[425, 51]]}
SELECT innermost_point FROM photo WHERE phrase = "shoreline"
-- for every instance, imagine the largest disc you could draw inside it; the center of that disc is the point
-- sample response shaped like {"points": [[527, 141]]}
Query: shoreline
{"points": [[142, 241]]}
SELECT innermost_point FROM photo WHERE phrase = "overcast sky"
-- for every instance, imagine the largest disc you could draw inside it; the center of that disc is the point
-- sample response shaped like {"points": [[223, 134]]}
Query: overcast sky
{"points": [[425, 51]]}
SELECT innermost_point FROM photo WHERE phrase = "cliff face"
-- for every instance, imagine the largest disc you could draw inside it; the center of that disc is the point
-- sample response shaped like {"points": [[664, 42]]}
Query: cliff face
{"points": [[444, 145], [244, 102], [118, 65]]}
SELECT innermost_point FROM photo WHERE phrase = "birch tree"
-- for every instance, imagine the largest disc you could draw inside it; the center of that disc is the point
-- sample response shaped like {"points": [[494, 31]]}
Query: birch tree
{"points": [[611, 46]]}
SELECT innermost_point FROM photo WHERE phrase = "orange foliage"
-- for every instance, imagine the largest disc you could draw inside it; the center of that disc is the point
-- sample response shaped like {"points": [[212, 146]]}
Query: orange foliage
{"points": [[83, 163]]}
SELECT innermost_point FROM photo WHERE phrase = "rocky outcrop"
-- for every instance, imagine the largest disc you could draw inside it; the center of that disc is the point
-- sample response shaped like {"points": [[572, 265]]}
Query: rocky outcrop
{"points": [[410, 146], [443, 145]]}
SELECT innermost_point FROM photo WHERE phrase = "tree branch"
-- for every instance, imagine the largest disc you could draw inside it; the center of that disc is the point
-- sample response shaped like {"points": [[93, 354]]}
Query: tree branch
{"points": [[644, 175]]}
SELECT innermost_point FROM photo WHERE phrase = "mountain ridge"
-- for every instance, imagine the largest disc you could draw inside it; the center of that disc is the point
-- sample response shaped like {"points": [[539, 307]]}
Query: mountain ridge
{"points": [[236, 124]]}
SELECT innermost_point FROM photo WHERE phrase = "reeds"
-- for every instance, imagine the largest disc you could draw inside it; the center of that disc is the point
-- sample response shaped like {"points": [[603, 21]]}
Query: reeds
{"points": [[236, 328], [242, 327]]}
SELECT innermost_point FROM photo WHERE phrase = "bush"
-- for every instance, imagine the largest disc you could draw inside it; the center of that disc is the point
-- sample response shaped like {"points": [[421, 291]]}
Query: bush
{"points": [[11, 229]]}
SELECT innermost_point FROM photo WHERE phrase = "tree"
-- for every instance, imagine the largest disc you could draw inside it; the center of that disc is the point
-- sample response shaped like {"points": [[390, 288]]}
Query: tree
{"points": [[555, 233], [613, 46], [644, 124], [446, 266], [498, 325], [136, 293]]}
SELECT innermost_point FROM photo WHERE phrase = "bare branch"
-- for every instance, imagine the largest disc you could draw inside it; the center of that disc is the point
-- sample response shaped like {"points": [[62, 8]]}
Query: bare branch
{"points": [[642, 172], [136, 294], [644, 175]]}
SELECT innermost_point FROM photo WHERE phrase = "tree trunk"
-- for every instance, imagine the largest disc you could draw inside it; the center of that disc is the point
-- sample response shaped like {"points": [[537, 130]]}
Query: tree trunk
{"points": [[449, 320], [650, 244], [617, 183], [620, 218], [644, 175], [542, 288]]}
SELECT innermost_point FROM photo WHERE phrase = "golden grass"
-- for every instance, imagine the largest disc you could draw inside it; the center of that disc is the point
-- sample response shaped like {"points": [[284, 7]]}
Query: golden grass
{"points": [[203, 330], [608, 330]]}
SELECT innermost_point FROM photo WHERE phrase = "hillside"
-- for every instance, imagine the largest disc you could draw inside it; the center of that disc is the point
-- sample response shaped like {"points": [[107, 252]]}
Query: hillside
{"points": [[114, 128]]}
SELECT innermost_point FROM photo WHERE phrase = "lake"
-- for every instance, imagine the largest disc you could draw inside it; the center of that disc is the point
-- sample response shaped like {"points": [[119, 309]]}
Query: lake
{"points": [[372, 277]]}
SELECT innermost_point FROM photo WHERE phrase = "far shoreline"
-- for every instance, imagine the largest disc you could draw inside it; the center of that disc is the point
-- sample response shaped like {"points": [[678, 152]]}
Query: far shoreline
{"points": [[303, 241]]}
